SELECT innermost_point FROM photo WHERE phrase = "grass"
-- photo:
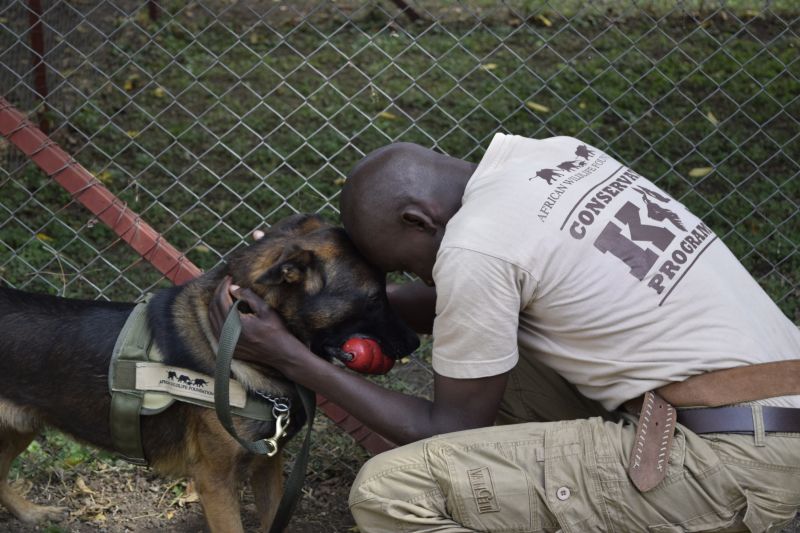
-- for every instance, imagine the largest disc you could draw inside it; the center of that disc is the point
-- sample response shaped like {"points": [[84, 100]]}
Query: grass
{"points": [[211, 125]]}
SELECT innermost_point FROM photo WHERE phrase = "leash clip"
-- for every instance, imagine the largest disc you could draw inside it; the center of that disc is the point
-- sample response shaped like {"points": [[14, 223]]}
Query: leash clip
{"points": [[281, 423]]}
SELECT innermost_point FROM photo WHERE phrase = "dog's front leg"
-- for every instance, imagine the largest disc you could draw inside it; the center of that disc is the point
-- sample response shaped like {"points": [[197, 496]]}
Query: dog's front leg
{"points": [[217, 477], [217, 485], [266, 479]]}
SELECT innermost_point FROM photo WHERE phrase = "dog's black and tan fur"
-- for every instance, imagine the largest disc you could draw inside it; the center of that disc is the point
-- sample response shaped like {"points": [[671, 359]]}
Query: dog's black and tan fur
{"points": [[54, 358]]}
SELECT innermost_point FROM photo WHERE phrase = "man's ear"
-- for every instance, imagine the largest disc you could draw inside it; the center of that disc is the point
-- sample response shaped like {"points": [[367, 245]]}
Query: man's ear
{"points": [[418, 219], [289, 268]]}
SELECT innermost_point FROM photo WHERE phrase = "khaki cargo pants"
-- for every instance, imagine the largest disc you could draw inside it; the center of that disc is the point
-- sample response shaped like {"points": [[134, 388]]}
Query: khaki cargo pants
{"points": [[570, 476]]}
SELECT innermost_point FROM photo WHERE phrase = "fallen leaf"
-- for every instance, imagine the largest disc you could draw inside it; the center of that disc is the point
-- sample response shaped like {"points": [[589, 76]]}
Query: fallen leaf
{"points": [[159, 92], [489, 66], [99, 517], [581, 105], [699, 172], [202, 248], [44, 237], [131, 83], [539, 108], [544, 21], [712, 119], [133, 134], [254, 38], [339, 181], [81, 485], [105, 177], [387, 115]]}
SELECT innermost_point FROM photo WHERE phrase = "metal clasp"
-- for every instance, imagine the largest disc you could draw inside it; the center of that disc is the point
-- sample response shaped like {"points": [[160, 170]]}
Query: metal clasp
{"points": [[281, 423]]}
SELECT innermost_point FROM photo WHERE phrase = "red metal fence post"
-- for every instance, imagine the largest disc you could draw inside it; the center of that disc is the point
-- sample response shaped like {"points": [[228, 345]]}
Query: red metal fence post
{"points": [[153, 10], [37, 59]]}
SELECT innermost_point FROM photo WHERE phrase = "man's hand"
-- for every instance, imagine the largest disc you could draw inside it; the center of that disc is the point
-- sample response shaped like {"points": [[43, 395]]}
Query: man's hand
{"points": [[460, 403], [264, 339]]}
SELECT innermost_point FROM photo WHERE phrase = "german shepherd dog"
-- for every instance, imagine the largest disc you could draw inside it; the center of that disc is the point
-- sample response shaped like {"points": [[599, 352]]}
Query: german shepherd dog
{"points": [[55, 353]]}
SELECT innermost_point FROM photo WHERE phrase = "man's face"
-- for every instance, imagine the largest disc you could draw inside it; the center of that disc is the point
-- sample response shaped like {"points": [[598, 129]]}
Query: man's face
{"points": [[394, 247]]}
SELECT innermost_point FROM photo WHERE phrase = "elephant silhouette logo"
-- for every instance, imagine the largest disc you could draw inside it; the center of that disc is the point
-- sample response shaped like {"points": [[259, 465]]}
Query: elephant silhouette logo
{"points": [[547, 174], [584, 152], [569, 166]]}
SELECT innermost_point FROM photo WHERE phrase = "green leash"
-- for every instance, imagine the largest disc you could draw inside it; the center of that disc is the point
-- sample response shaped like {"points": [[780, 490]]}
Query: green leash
{"points": [[228, 338]]}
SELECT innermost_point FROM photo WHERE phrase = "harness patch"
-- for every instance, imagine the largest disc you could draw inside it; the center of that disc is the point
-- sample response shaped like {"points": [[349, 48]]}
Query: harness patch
{"points": [[480, 479], [184, 383]]}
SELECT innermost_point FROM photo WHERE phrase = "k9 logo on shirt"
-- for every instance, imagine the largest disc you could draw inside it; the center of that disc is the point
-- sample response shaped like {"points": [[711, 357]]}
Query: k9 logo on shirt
{"points": [[648, 232]]}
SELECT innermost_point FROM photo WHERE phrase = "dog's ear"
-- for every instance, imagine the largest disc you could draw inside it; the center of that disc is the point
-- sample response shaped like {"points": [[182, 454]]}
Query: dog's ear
{"points": [[289, 268]]}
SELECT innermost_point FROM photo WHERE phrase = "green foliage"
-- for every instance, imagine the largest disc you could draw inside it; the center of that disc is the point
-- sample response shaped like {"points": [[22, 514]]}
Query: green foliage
{"points": [[53, 450]]}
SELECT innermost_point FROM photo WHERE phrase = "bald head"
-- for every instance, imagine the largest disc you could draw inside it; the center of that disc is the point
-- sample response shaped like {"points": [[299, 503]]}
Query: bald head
{"points": [[402, 186]]}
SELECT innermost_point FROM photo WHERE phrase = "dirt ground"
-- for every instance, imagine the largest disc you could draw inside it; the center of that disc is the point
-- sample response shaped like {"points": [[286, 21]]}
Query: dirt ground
{"points": [[119, 498]]}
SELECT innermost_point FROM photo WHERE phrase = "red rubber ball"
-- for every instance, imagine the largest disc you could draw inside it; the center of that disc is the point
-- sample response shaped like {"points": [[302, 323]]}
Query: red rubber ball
{"points": [[367, 356]]}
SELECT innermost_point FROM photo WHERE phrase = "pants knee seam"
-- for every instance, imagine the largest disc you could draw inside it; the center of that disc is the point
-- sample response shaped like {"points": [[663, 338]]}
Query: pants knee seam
{"points": [[384, 473]]}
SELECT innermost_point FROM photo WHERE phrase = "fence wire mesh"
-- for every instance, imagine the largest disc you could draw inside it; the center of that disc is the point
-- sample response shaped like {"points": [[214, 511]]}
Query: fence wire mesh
{"points": [[213, 118]]}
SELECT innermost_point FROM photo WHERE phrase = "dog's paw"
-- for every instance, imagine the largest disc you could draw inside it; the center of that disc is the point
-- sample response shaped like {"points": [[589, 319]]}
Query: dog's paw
{"points": [[35, 514]]}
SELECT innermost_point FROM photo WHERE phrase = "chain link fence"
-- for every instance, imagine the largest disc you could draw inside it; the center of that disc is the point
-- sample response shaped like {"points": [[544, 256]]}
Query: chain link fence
{"points": [[213, 118]]}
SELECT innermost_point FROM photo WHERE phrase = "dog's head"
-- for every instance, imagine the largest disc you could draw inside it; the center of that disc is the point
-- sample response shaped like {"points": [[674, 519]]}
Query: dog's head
{"points": [[326, 293]]}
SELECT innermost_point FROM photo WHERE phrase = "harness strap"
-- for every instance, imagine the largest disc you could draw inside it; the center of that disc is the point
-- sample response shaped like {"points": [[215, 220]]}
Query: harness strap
{"points": [[228, 338], [140, 384], [125, 423]]}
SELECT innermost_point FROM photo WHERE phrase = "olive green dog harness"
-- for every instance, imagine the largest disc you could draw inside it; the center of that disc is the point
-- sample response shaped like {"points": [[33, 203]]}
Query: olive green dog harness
{"points": [[141, 384]]}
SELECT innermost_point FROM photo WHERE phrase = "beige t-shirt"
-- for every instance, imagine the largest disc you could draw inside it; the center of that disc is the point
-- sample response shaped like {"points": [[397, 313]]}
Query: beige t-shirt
{"points": [[561, 253]]}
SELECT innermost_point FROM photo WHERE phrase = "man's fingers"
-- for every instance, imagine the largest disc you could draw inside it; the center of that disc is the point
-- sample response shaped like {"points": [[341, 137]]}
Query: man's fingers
{"points": [[258, 305], [258, 235]]}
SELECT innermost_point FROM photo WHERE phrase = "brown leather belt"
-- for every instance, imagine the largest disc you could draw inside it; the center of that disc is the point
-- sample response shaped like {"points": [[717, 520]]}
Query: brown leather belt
{"points": [[647, 464], [739, 419]]}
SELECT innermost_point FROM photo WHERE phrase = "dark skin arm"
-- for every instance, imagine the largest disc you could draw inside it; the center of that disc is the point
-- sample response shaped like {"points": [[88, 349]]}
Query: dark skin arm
{"points": [[458, 403], [414, 303]]}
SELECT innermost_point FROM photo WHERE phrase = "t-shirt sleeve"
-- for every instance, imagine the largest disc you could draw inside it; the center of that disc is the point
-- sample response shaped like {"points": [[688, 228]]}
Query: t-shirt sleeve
{"points": [[478, 302]]}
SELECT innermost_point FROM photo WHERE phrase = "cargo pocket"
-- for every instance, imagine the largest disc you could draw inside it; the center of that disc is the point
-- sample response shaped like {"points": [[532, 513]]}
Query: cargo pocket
{"points": [[572, 484], [698, 493], [769, 476], [768, 515], [486, 486]]}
